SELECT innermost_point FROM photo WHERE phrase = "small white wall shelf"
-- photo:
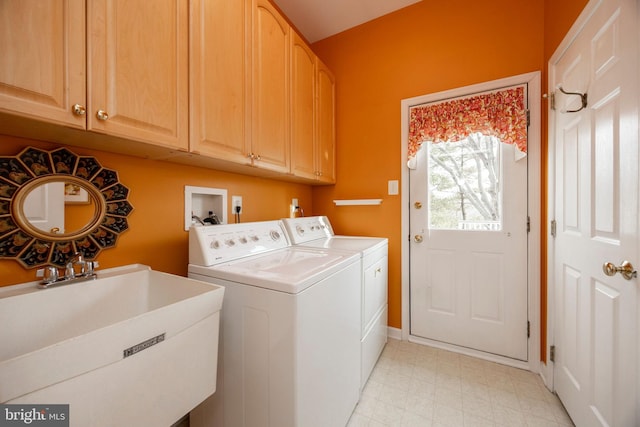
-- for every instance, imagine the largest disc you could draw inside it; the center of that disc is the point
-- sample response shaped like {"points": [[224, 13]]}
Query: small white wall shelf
{"points": [[358, 202], [200, 201]]}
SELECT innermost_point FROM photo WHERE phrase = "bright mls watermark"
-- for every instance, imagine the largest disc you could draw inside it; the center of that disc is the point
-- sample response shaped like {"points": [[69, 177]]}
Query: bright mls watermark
{"points": [[34, 415]]}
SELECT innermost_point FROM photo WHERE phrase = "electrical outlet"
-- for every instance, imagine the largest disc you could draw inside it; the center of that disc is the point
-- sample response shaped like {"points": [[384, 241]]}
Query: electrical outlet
{"points": [[236, 201]]}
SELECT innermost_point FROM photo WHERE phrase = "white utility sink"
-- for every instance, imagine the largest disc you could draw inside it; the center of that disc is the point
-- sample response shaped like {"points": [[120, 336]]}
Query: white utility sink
{"points": [[133, 347]]}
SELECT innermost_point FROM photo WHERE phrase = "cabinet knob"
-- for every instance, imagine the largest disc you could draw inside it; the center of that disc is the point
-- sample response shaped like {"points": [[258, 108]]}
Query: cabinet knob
{"points": [[102, 115], [78, 110]]}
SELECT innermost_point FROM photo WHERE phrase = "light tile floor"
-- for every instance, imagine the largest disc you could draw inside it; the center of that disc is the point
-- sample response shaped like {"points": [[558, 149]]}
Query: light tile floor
{"points": [[416, 385]]}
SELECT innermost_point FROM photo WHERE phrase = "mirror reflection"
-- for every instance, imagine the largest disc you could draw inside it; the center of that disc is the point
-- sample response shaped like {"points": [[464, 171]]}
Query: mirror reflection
{"points": [[59, 207]]}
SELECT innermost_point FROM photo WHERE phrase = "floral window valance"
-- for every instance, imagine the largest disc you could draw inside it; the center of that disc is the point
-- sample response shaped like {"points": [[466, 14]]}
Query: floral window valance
{"points": [[501, 114]]}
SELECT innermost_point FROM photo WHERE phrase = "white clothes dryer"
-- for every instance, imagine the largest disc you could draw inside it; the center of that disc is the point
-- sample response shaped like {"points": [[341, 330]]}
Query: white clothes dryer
{"points": [[289, 331], [317, 232]]}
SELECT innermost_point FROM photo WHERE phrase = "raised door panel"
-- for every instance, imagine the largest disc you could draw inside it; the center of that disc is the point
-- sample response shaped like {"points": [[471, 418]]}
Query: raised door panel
{"points": [[138, 70], [42, 70], [326, 127], [219, 83], [302, 108], [270, 88]]}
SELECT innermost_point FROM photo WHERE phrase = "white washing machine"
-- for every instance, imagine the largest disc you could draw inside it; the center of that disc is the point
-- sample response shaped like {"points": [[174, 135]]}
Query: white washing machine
{"points": [[316, 232], [289, 330]]}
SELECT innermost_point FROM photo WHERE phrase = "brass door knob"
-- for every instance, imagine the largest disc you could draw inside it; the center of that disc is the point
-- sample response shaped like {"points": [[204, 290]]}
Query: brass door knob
{"points": [[625, 269], [102, 115], [418, 238], [418, 205]]}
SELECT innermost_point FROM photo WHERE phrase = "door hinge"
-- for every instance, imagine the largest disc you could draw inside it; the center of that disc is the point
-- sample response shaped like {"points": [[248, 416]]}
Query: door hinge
{"points": [[528, 224], [528, 329], [552, 353], [528, 118], [553, 227], [552, 100]]}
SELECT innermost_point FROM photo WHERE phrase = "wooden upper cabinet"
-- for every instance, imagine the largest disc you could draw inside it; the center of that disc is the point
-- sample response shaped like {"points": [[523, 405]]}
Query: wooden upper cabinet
{"points": [[219, 83], [303, 78], [42, 59], [138, 70], [325, 123], [270, 88], [228, 80]]}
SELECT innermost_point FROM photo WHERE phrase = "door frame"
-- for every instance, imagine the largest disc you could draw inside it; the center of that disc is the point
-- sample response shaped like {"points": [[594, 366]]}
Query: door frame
{"points": [[534, 179]]}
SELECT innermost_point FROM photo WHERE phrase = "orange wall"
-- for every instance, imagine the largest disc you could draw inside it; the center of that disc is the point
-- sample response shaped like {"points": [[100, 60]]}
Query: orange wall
{"points": [[425, 48], [156, 235]]}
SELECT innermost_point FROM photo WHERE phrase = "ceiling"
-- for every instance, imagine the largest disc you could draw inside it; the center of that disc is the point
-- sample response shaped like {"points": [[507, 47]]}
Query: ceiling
{"points": [[319, 19]]}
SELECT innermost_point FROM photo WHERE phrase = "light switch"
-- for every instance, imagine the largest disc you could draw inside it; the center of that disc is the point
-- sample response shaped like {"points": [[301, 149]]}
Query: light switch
{"points": [[393, 187]]}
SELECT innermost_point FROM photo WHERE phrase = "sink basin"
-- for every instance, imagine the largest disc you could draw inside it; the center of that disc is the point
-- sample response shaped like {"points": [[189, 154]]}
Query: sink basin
{"points": [[133, 343]]}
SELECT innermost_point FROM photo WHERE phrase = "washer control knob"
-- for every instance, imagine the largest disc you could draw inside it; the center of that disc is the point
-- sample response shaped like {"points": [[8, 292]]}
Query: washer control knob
{"points": [[274, 235], [243, 240], [299, 230], [230, 242], [215, 244]]}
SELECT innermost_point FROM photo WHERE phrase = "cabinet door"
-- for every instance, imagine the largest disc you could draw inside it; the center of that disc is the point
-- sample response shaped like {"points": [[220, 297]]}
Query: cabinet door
{"points": [[219, 48], [42, 65], [138, 70], [325, 119], [302, 108], [270, 88], [375, 291]]}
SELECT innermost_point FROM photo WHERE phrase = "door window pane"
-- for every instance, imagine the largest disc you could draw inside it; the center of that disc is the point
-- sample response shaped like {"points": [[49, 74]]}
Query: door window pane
{"points": [[465, 184]]}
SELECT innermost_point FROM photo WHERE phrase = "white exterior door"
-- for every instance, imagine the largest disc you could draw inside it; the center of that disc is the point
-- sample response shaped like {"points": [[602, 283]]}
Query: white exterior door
{"points": [[594, 153], [468, 281]]}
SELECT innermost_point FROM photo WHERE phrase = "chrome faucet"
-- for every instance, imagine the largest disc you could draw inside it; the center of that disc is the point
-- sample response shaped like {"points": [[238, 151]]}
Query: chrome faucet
{"points": [[76, 259], [51, 276]]}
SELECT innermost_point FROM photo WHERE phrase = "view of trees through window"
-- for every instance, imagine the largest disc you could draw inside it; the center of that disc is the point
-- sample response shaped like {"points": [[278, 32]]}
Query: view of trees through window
{"points": [[464, 184]]}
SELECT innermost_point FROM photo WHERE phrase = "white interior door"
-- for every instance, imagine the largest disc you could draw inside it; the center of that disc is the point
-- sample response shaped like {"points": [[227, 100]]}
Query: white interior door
{"points": [[44, 207], [595, 151], [469, 278]]}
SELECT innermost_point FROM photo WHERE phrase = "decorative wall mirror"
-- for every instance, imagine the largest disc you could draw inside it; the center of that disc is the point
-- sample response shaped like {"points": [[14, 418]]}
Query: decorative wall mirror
{"points": [[53, 204]]}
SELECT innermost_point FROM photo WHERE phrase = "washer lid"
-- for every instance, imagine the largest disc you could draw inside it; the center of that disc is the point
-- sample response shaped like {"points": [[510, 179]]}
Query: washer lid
{"points": [[361, 245], [289, 270]]}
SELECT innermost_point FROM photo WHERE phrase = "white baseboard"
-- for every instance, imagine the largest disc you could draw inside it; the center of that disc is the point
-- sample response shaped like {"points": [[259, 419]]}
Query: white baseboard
{"points": [[394, 333]]}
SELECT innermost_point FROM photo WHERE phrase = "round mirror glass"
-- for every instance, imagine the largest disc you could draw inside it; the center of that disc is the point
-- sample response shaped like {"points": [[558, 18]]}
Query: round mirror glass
{"points": [[59, 207]]}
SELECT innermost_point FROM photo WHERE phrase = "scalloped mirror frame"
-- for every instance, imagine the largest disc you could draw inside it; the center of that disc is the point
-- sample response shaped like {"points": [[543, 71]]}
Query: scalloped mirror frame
{"points": [[31, 247]]}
